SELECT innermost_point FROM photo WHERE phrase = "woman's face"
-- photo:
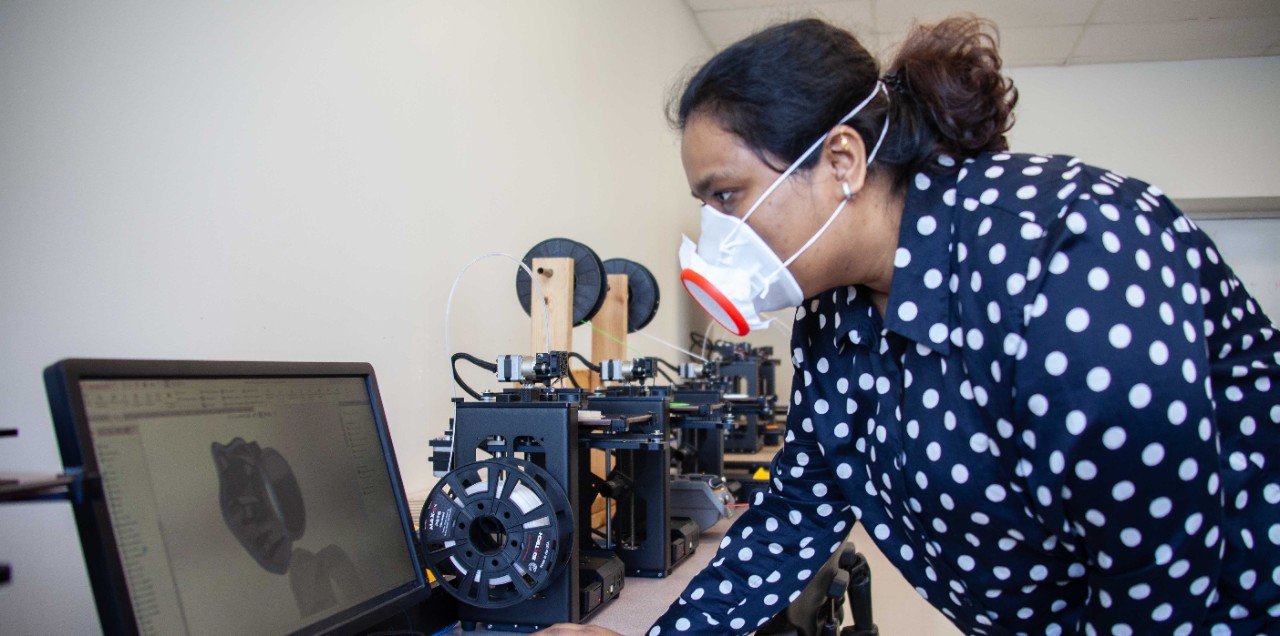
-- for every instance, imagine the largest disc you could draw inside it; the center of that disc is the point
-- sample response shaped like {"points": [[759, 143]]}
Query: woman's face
{"points": [[725, 174]]}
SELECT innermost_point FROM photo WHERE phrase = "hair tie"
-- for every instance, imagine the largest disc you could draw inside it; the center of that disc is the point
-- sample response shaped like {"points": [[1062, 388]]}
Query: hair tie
{"points": [[895, 83]]}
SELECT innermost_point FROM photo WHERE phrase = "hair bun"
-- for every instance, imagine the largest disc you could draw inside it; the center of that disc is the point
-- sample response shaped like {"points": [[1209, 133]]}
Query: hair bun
{"points": [[950, 73]]}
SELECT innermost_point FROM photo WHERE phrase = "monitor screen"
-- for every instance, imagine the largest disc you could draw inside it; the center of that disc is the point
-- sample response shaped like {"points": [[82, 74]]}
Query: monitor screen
{"points": [[239, 503]]}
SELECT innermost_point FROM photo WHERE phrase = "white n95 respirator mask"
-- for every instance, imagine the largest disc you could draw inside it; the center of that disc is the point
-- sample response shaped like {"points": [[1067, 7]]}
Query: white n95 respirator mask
{"points": [[743, 281], [733, 274]]}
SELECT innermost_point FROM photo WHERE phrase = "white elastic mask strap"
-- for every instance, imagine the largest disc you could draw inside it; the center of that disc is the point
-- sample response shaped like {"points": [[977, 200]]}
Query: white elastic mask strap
{"points": [[831, 219], [796, 164], [813, 239], [883, 131]]}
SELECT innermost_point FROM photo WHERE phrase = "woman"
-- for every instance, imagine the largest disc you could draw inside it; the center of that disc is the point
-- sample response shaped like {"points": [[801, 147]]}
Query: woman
{"points": [[1035, 382]]}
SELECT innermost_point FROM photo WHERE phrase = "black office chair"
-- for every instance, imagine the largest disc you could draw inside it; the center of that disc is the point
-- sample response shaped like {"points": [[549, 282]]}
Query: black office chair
{"points": [[819, 610]]}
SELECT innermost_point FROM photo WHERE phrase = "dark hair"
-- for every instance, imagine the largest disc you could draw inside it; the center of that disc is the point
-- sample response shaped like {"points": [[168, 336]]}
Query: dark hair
{"points": [[785, 87]]}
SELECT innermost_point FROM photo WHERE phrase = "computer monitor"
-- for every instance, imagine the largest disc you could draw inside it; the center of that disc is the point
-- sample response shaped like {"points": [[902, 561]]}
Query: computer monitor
{"points": [[235, 497]]}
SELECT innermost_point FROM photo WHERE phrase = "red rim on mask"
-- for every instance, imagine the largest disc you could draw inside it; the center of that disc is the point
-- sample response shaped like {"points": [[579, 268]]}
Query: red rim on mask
{"points": [[714, 302]]}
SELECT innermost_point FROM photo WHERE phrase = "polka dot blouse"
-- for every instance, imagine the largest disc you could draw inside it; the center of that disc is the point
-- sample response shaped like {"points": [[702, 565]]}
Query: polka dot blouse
{"points": [[1064, 423]]}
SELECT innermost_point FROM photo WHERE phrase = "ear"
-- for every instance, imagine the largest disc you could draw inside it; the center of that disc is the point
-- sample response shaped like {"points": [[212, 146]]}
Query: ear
{"points": [[845, 155]]}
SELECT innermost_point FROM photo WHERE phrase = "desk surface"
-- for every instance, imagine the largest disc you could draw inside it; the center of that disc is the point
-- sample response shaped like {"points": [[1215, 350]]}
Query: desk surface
{"points": [[643, 600]]}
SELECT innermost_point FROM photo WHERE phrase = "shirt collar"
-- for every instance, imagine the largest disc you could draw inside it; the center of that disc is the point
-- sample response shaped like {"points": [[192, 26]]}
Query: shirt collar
{"points": [[919, 306], [855, 316]]}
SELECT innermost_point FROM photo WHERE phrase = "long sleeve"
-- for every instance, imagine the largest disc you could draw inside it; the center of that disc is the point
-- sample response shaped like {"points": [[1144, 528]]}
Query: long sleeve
{"points": [[1113, 394], [774, 548]]}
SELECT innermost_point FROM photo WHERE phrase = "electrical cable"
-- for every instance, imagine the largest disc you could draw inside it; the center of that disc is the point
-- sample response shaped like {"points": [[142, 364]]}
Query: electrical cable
{"points": [[453, 364], [697, 339], [573, 380], [483, 364], [666, 375], [662, 362], [579, 356]]}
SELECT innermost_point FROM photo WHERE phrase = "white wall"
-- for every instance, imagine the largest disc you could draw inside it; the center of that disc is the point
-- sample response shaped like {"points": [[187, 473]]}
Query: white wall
{"points": [[1249, 245], [302, 180], [1198, 129]]}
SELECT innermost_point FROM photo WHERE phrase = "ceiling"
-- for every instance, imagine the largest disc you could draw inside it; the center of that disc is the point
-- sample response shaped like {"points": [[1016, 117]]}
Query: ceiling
{"points": [[1032, 32]]}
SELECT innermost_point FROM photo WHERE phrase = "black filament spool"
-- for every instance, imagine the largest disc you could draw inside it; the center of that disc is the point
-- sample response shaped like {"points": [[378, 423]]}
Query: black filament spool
{"points": [[589, 282], [496, 532], [642, 291]]}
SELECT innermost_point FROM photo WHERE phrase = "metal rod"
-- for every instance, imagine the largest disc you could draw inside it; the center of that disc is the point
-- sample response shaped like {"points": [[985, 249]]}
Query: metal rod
{"points": [[608, 504]]}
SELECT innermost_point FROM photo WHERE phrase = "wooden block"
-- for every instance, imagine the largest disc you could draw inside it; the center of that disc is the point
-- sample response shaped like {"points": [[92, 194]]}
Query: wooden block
{"points": [[597, 505], [609, 338], [611, 320], [584, 377], [556, 275]]}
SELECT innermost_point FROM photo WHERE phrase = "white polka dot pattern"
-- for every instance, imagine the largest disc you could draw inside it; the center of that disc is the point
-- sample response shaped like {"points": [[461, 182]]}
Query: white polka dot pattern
{"points": [[1089, 439]]}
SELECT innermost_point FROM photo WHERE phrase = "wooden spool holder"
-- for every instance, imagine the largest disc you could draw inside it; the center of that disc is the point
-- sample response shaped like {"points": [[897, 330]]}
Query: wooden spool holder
{"points": [[556, 276], [609, 338]]}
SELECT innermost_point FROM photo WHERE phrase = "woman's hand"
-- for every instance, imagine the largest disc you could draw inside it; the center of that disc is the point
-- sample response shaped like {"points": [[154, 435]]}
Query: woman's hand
{"points": [[570, 629]]}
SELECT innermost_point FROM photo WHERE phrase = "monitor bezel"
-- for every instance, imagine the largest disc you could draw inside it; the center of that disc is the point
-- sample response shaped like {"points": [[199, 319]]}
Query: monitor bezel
{"points": [[93, 521]]}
